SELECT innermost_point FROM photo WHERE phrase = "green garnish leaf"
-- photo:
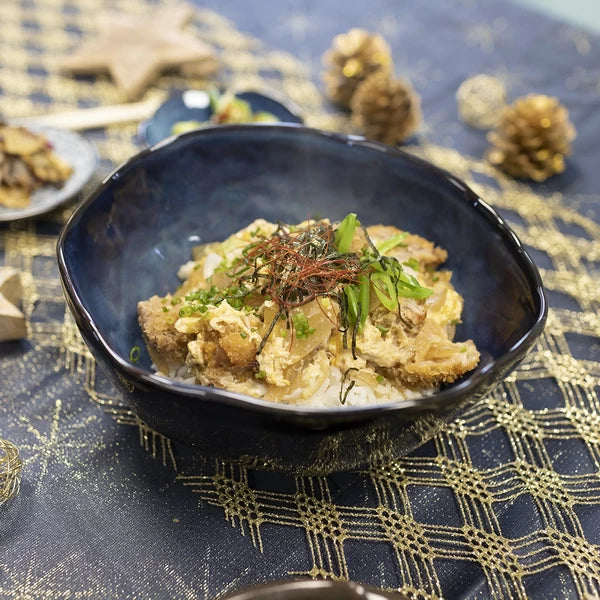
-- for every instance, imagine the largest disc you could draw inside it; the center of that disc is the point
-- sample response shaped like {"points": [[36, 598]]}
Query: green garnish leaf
{"points": [[409, 287], [134, 354], [187, 311], [380, 378], [383, 329], [301, 326], [200, 300], [165, 309], [352, 300], [260, 375], [392, 242], [243, 335], [345, 232], [385, 290], [413, 263]]}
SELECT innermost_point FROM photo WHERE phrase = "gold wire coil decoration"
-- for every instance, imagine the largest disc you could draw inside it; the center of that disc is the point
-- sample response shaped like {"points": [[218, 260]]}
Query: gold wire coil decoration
{"points": [[10, 470], [480, 100]]}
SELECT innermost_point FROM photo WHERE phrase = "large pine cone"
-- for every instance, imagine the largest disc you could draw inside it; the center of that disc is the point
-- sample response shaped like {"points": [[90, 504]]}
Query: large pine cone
{"points": [[387, 110], [532, 139], [353, 56]]}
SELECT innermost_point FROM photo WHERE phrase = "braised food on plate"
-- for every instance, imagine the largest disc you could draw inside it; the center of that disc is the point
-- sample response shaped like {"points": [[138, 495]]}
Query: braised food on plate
{"points": [[27, 162]]}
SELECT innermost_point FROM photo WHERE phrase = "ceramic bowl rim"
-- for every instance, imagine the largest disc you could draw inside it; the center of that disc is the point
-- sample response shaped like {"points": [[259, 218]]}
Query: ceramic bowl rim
{"points": [[446, 397], [279, 589]]}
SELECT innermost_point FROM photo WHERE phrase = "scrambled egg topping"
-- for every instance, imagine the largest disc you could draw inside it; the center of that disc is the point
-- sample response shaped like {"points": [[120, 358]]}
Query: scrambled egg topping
{"points": [[223, 335]]}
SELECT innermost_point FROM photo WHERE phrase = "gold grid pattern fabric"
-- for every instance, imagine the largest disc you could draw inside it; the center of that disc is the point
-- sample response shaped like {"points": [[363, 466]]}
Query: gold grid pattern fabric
{"points": [[503, 452]]}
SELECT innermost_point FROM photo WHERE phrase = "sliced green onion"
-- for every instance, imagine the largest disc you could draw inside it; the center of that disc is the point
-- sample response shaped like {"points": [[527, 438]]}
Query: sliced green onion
{"points": [[187, 311], [409, 287], [345, 232], [352, 300], [391, 243], [413, 263], [134, 354], [302, 326], [385, 290]]}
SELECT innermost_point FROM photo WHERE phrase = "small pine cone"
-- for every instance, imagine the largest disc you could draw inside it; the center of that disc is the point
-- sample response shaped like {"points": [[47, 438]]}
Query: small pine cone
{"points": [[353, 56], [387, 110], [532, 139]]}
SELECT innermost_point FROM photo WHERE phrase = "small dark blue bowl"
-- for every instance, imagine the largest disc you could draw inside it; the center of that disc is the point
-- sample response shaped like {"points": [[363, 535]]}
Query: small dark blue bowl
{"points": [[127, 240], [189, 106]]}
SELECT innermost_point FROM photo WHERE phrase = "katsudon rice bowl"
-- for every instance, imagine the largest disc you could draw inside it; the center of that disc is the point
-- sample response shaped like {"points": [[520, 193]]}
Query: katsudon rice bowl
{"points": [[313, 314], [418, 301]]}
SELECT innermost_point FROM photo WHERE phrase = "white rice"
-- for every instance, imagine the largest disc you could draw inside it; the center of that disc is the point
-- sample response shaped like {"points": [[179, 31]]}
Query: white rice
{"points": [[327, 396]]}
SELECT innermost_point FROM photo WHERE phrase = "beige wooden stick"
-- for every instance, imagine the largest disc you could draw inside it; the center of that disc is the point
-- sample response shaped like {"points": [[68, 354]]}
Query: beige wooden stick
{"points": [[97, 117]]}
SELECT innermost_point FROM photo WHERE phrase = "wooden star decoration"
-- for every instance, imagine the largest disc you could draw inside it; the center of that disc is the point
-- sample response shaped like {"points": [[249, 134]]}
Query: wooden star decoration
{"points": [[135, 50], [12, 320]]}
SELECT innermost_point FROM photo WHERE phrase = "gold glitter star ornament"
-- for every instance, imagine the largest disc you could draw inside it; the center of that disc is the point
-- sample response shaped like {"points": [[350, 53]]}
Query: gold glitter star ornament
{"points": [[532, 138], [353, 56], [10, 470], [135, 50], [481, 100]]}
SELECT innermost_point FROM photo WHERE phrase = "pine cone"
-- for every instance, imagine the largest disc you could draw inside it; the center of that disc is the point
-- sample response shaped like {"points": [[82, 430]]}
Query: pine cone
{"points": [[387, 110], [532, 139], [353, 56]]}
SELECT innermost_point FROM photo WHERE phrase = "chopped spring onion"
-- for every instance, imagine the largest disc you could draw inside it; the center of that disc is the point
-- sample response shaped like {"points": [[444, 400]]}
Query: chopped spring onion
{"points": [[352, 301], [134, 354], [345, 232], [302, 326], [391, 243], [386, 290]]}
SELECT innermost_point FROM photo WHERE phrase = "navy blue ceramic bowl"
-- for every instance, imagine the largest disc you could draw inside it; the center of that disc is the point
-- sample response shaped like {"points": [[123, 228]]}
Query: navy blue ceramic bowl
{"points": [[192, 105], [127, 240], [311, 589]]}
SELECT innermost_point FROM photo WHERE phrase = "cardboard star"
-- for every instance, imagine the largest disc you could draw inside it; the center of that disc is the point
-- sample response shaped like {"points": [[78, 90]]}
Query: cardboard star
{"points": [[135, 50], [12, 320]]}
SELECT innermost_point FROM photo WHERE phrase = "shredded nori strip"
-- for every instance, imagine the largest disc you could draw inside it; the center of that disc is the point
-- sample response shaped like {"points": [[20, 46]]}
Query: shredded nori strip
{"points": [[269, 331], [344, 394]]}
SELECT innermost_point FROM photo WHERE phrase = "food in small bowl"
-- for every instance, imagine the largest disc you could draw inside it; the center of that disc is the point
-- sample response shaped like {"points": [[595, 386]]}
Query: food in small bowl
{"points": [[226, 108], [313, 314], [193, 109], [126, 242]]}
